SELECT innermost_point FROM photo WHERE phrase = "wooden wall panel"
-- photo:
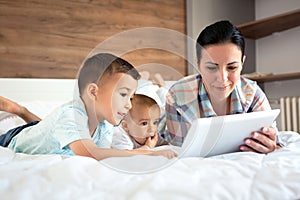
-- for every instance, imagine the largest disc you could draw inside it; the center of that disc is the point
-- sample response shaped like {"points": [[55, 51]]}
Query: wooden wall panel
{"points": [[50, 39]]}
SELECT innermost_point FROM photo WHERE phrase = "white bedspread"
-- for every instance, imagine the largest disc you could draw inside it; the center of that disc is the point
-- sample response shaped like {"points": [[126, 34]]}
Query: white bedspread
{"points": [[230, 176]]}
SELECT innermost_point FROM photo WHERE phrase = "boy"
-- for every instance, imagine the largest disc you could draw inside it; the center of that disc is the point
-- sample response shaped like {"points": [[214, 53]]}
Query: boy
{"points": [[106, 84]]}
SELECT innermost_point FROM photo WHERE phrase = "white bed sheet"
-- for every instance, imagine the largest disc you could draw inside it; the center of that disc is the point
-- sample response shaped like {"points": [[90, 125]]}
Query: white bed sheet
{"points": [[230, 176]]}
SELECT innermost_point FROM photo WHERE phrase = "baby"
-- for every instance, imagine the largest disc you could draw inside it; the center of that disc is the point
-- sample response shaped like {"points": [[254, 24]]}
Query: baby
{"points": [[141, 128]]}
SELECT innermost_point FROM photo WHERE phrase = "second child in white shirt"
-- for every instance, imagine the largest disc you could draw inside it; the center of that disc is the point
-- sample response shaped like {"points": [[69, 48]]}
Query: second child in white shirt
{"points": [[139, 129]]}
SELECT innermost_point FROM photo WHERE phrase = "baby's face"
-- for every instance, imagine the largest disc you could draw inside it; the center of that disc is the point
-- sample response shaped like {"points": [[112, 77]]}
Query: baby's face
{"points": [[142, 122]]}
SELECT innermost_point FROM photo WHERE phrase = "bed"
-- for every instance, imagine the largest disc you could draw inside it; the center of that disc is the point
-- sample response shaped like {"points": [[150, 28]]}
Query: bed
{"points": [[237, 175]]}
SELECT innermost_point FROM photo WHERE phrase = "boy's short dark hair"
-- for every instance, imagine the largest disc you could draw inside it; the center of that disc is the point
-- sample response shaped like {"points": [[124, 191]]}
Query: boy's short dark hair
{"points": [[103, 63]]}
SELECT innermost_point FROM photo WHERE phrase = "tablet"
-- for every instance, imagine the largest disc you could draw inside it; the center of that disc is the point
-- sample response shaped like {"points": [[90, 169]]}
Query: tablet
{"points": [[223, 134]]}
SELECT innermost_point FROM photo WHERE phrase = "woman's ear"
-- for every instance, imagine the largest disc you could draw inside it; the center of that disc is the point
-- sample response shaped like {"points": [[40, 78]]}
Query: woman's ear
{"points": [[196, 60], [92, 90], [244, 59], [198, 65]]}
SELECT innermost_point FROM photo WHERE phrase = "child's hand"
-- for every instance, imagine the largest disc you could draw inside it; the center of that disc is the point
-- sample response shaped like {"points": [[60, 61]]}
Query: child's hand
{"points": [[151, 141], [168, 153]]}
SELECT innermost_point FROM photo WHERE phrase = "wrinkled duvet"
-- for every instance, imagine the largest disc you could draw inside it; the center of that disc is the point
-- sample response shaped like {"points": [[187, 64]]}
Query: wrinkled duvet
{"points": [[238, 175]]}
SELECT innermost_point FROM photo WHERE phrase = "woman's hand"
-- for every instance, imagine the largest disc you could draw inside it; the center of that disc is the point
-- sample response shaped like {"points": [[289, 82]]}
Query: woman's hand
{"points": [[261, 142]]}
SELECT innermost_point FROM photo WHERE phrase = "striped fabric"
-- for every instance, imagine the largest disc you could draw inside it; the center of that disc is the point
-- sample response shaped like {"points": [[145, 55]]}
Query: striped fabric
{"points": [[186, 97]]}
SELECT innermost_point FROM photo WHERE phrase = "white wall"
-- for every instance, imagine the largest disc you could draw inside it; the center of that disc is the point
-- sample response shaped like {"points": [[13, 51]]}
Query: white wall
{"points": [[201, 13], [278, 53]]}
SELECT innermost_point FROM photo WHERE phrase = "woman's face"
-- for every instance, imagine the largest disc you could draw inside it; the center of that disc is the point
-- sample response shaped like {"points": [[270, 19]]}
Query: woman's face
{"points": [[220, 67]]}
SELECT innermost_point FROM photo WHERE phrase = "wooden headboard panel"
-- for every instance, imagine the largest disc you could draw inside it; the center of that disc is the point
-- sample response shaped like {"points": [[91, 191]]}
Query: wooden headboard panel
{"points": [[50, 39]]}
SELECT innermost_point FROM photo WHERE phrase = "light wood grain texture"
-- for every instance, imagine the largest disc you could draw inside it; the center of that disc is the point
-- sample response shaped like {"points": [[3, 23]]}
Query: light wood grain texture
{"points": [[50, 39], [264, 27], [276, 77]]}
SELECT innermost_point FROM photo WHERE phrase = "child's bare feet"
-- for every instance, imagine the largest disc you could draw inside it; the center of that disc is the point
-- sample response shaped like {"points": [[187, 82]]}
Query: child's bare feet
{"points": [[14, 108], [10, 106], [145, 75], [158, 79]]}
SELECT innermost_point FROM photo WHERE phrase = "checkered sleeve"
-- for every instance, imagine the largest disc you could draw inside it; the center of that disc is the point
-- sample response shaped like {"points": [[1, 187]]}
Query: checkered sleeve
{"points": [[260, 101], [176, 125]]}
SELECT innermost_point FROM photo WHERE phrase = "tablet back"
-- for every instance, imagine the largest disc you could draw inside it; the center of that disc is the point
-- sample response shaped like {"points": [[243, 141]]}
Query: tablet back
{"points": [[224, 134]]}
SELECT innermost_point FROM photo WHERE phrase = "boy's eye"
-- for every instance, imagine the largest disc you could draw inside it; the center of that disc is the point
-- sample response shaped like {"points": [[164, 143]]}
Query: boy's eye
{"points": [[156, 122], [123, 94]]}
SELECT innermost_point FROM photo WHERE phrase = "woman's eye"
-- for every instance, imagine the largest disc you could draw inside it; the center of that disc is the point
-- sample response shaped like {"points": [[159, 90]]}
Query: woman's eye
{"points": [[232, 68], [212, 68]]}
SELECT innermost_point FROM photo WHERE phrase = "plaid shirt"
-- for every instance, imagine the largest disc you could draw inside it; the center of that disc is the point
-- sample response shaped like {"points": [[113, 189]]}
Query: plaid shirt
{"points": [[187, 96]]}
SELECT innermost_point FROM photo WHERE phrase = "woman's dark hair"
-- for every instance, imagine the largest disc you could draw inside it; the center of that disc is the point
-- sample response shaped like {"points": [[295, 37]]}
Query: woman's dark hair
{"points": [[103, 63], [218, 33]]}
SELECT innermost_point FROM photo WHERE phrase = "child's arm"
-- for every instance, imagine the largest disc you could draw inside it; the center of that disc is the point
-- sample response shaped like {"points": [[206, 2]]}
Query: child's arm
{"points": [[86, 147]]}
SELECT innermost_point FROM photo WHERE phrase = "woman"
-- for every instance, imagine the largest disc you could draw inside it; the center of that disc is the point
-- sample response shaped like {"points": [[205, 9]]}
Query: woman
{"points": [[218, 89]]}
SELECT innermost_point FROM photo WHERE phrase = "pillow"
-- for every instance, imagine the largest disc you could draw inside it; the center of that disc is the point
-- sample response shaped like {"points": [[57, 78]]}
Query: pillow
{"points": [[39, 108], [9, 121]]}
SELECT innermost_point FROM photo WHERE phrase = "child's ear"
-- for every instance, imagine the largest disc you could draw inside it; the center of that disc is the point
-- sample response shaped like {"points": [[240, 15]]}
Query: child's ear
{"points": [[92, 90], [125, 125]]}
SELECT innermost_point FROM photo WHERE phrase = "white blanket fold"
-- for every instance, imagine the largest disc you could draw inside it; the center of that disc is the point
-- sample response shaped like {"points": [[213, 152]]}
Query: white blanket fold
{"points": [[230, 176]]}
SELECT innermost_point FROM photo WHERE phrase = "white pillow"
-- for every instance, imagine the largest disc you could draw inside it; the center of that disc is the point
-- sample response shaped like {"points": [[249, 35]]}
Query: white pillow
{"points": [[39, 108], [9, 121]]}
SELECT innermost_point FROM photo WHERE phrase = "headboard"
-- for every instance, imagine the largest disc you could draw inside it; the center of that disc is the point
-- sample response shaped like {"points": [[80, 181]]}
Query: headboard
{"points": [[26, 89], [40, 96]]}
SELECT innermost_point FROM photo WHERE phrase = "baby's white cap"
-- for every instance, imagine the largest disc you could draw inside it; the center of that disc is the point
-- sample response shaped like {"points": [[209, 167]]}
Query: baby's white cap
{"points": [[147, 88]]}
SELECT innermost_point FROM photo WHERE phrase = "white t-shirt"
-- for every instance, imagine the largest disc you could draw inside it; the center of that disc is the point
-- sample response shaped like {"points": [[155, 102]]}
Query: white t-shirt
{"points": [[121, 139]]}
